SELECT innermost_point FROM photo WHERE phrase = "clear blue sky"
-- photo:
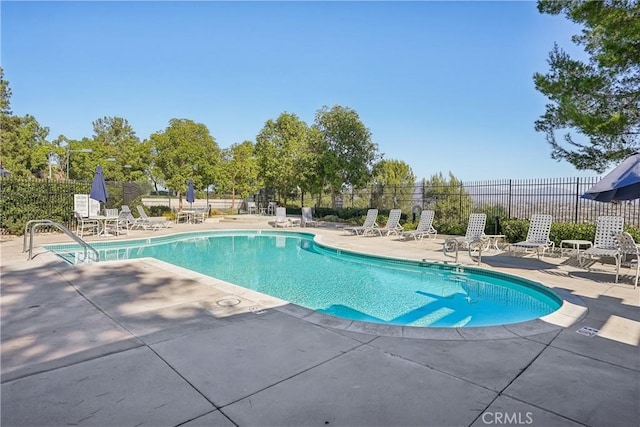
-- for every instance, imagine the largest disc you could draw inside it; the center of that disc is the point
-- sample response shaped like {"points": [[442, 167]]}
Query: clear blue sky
{"points": [[443, 86]]}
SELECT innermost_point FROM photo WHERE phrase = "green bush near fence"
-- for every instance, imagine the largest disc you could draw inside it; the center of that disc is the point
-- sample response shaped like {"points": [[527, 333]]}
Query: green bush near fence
{"points": [[515, 230]]}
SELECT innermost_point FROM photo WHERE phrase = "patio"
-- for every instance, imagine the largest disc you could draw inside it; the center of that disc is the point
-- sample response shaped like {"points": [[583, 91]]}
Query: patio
{"points": [[147, 343]]}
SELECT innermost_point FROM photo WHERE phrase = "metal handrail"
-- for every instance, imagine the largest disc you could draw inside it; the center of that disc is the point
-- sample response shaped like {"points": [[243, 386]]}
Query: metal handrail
{"points": [[42, 222]]}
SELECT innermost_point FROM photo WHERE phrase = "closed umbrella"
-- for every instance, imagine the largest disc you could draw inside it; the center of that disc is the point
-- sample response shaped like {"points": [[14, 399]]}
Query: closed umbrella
{"points": [[98, 186], [191, 197], [622, 183]]}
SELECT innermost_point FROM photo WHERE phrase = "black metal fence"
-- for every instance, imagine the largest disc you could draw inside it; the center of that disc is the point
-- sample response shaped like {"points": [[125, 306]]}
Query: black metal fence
{"points": [[25, 199], [509, 198]]}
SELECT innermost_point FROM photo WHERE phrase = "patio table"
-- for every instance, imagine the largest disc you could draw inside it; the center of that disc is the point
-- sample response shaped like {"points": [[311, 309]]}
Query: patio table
{"points": [[492, 241], [103, 220], [574, 245]]}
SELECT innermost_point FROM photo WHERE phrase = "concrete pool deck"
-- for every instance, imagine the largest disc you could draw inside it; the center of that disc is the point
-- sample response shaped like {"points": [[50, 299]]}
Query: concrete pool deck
{"points": [[145, 343]]}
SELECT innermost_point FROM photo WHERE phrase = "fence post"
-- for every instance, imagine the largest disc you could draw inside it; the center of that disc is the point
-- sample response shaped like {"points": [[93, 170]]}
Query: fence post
{"points": [[509, 202], [575, 219], [460, 215]]}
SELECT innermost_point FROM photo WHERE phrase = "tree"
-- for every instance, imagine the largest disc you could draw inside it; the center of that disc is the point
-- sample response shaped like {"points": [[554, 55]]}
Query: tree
{"points": [[186, 150], [599, 99], [448, 198], [119, 150], [343, 148], [24, 148], [240, 170], [395, 182], [280, 151], [5, 95]]}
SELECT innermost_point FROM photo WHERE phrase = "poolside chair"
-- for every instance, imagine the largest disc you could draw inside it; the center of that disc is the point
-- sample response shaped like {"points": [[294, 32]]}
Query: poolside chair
{"points": [[199, 215], [281, 218], [627, 246], [147, 222], [537, 236], [180, 216], [391, 227], [122, 224], [134, 223], [271, 208], [474, 237], [86, 225], [307, 218], [424, 228], [252, 208], [370, 221], [605, 244]]}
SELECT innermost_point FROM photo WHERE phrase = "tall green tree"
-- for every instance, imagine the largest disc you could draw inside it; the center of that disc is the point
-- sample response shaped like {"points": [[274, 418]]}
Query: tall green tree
{"points": [[598, 99], [239, 172], [186, 150], [448, 198], [24, 147], [344, 150], [119, 150], [394, 182], [280, 150]]}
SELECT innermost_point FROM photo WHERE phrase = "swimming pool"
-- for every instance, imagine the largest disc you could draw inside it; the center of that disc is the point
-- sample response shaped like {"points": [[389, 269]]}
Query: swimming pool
{"points": [[293, 267]]}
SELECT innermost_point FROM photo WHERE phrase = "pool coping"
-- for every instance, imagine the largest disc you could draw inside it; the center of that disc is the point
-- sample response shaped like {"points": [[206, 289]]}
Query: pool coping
{"points": [[572, 310]]}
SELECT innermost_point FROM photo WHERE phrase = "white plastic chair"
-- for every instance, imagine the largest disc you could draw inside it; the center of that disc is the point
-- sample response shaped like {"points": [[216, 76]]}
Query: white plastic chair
{"points": [[307, 218], [424, 228], [605, 243], [537, 236], [369, 222], [392, 227], [252, 208], [85, 225], [281, 218], [147, 222], [627, 246], [474, 237]]}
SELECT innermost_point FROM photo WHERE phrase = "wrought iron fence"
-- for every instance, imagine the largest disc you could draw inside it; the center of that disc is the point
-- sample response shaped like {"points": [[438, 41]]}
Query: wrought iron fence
{"points": [[509, 198], [25, 199]]}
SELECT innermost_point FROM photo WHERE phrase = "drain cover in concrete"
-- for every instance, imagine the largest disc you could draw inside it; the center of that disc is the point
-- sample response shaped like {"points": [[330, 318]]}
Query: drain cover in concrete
{"points": [[228, 302], [587, 331]]}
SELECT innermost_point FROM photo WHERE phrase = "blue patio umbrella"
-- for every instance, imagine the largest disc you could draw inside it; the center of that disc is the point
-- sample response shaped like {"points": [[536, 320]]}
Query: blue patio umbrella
{"points": [[98, 186], [622, 183], [191, 197]]}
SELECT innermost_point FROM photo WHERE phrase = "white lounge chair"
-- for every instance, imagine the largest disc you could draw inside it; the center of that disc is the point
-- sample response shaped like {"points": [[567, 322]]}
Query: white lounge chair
{"points": [[537, 236], [369, 222], [281, 218], [147, 222], [605, 243], [307, 218], [391, 227], [627, 246], [474, 237], [424, 228]]}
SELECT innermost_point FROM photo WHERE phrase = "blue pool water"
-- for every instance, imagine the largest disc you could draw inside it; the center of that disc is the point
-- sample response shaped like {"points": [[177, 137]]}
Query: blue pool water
{"points": [[292, 267]]}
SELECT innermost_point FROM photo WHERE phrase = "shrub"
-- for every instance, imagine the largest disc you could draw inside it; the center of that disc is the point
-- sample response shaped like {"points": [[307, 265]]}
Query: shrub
{"points": [[515, 230], [450, 228], [158, 210]]}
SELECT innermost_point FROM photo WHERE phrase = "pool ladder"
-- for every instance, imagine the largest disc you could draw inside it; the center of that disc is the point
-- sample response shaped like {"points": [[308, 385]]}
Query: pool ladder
{"points": [[33, 224]]}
